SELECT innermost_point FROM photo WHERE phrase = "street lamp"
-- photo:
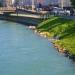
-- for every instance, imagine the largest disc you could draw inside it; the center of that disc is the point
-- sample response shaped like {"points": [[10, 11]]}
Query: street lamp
{"points": [[17, 4], [33, 5], [62, 4]]}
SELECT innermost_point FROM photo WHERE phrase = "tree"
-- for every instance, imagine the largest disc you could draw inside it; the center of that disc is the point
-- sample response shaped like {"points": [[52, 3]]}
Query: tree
{"points": [[1, 3], [73, 3]]}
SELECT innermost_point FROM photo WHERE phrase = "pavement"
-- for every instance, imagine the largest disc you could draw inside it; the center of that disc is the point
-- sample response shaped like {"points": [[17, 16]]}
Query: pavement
{"points": [[27, 15], [69, 17]]}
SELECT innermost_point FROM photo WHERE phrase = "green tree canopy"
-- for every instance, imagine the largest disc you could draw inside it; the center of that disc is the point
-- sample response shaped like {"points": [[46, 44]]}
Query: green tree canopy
{"points": [[73, 2], [1, 3]]}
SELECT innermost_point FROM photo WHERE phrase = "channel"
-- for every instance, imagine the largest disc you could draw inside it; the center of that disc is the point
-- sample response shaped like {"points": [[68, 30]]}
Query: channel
{"points": [[22, 52]]}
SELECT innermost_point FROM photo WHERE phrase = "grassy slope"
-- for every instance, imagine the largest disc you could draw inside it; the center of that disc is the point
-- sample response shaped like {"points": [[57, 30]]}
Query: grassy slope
{"points": [[63, 28]]}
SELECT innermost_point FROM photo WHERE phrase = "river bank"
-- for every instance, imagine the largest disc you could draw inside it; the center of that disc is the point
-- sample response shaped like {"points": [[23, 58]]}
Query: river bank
{"points": [[57, 46], [60, 32], [29, 21], [41, 29]]}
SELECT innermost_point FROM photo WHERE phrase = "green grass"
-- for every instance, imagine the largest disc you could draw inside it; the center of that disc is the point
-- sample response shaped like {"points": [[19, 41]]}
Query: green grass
{"points": [[63, 28]]}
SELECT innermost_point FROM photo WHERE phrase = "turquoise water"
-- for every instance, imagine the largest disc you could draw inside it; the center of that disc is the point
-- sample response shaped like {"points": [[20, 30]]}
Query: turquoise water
{"points": [[22, 52]]}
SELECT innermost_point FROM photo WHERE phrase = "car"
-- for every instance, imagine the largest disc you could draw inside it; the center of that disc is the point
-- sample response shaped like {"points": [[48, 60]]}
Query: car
{"points": [[61, 11], [55, 10]]}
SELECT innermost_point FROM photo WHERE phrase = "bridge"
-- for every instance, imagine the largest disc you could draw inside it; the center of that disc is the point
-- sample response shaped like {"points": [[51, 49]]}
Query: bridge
{"points": [[23, 12], [28, 16], [19, 10]]}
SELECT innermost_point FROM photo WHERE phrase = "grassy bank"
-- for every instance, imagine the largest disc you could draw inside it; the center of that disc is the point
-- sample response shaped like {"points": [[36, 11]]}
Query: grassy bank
{"points": [[61, 28]]}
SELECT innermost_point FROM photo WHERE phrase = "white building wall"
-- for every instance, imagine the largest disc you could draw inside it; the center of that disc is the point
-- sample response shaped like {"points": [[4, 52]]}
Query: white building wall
{"points": [[7, 3], [64, 3]]}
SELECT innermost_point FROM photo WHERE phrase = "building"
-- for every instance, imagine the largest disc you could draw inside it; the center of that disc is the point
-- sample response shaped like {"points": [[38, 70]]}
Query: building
{"points": [[60, 3], [7, 3], [64, 3]]}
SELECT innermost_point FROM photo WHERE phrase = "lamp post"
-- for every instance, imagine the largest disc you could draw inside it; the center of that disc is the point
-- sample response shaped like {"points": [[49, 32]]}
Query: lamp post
{"points": [[33, 5], [62, 4], [17, 3]]}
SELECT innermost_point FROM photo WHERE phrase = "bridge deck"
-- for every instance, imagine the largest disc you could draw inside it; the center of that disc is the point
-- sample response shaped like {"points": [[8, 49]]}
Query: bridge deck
{"points": [[23, 12]]}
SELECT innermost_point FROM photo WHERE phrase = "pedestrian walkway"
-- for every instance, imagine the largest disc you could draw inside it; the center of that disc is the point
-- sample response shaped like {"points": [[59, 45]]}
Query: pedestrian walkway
{"points": [[26, 15]]}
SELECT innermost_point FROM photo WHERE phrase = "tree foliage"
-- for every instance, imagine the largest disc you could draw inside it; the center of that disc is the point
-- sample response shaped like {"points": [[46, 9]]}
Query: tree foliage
{"points": [[73, 2], [1, 3]]}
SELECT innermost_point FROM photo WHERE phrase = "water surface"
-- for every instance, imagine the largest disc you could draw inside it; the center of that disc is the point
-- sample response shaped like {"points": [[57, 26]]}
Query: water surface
{"points": [[24, 53]]}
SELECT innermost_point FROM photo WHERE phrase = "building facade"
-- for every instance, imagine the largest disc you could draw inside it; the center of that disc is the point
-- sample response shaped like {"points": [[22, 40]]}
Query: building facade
{"points": [[7, 3], [64, 3], [60, 3]]}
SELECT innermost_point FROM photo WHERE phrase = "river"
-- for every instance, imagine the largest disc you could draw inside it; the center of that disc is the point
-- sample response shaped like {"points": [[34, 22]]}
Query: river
{"points": [[22, 52]]}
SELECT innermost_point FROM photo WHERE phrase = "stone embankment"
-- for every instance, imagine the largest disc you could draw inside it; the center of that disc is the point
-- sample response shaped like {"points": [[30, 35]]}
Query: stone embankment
{"points": [[64, 51], [59, 48], [32, 27]]}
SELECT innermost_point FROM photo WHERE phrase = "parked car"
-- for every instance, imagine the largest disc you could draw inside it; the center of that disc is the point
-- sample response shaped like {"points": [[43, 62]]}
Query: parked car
{"points": [[67, 12], [60, 11], [55, 10]]}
